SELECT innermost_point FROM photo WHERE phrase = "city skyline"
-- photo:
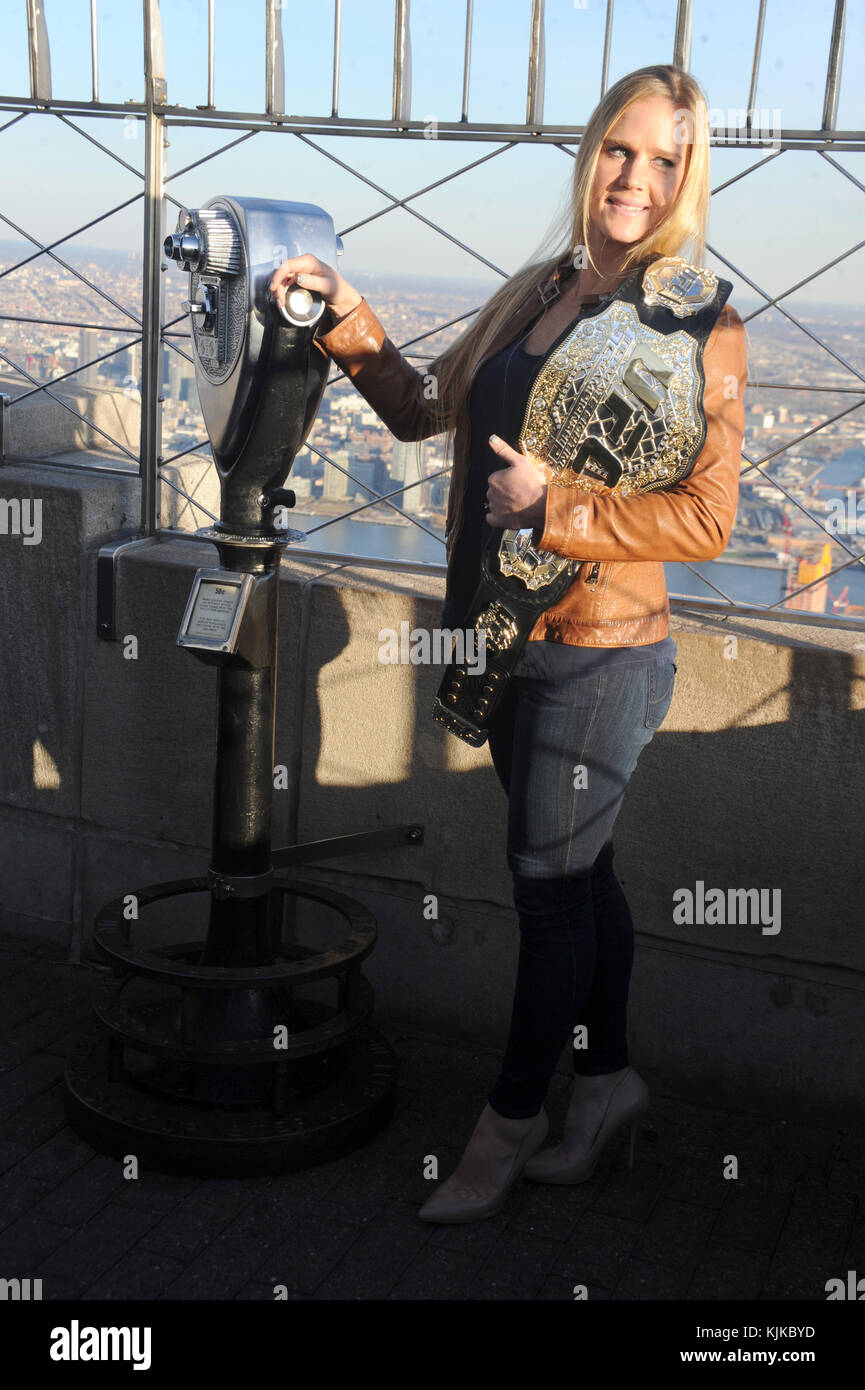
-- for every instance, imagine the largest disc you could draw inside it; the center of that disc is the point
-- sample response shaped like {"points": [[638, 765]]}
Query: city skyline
{"points": [[771, 537]]}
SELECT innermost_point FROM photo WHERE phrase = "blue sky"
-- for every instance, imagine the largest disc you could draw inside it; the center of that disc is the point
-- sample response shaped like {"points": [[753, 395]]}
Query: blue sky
{"points": [[777, 224]]}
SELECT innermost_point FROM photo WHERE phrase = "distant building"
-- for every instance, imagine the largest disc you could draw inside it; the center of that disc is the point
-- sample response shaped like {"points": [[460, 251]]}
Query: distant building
{"points": [[407, 467], [181, 378], [88, 348], [368, 470], [303, 465], [813, 600], [336, 482]]}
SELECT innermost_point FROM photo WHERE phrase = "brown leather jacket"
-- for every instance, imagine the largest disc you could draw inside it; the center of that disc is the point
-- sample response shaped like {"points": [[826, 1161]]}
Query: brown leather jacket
{"points": [[621, 600]]}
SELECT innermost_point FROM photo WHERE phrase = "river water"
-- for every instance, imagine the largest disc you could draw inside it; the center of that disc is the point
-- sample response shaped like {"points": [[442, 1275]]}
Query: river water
{"points": [[739, 581]]}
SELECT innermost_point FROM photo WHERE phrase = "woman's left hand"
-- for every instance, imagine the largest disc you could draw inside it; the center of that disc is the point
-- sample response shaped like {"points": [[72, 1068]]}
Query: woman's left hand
{"points": [[517, 493]]}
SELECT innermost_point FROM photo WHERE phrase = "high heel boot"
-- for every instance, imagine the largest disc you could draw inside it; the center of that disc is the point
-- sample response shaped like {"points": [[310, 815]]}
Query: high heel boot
{"points": [[575, 1161], [450, 1206]]}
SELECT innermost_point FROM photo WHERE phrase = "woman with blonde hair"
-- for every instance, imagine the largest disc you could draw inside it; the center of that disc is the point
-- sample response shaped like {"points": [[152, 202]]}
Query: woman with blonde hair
{"points": [[594, 682]]}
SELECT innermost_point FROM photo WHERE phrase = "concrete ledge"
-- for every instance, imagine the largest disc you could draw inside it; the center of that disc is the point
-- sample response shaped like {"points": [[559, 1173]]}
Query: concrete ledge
{"points": [[41, 425]]}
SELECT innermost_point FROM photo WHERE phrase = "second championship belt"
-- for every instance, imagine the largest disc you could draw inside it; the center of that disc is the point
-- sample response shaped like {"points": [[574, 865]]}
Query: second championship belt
{"points": [[616, 408]]}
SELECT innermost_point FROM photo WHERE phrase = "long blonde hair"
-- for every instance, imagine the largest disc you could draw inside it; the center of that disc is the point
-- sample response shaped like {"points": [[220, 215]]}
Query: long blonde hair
{"points": [[683, 227]]}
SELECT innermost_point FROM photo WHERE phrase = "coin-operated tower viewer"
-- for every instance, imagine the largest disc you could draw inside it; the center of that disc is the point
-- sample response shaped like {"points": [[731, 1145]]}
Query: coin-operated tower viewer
{"points": [[210, 1057]]}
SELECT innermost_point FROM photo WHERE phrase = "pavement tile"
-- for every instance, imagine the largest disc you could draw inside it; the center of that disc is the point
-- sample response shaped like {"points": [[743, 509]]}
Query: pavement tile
{"points": [[677, 1129], [362, 1194], [847, 1174], [396, 1211], [157, 1192], [138, 1274], [91, 1251], [698, 1183], [436, 1273], [79, 1196], [308, 1255], [675, 1233], [19, 1193], [58, 1157], [516, 1267], [231, 1195], [36, 1121], [220, 1272], [819, 1223], [753, 1215], [27, 1081], [58, 1289], [725, 1272], [268, 1224], [791, 1279], [598, 1250], [39, 1034], [375, 1262], [475, 1238], [187, 1230], [20, 994], [21, 1004], [10, 1154], [642, 1280], [752, 1140], [631, 1193], [25, 1243], [425, 1137], [315, 1182], [544, 1209], [802, 1153], [13, 1051]]}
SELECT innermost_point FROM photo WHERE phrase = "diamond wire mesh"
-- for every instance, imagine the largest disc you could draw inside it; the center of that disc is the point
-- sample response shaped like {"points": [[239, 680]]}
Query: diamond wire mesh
{"points": [[170, 338]]}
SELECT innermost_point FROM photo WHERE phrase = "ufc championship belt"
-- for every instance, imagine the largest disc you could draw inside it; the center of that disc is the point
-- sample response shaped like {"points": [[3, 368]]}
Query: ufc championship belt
{"points": [[616, 408]]}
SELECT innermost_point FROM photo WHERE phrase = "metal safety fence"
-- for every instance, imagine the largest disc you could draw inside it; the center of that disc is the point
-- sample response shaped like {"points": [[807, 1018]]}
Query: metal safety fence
{"points": [[150, 332]]}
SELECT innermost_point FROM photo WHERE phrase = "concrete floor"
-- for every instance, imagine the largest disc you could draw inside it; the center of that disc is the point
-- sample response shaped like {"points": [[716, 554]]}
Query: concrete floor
{"points": [[672, 1229]]}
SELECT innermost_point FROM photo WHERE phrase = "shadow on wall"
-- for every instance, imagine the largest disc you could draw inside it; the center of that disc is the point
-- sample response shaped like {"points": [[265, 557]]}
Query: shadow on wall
{"points": [[774, 806]]}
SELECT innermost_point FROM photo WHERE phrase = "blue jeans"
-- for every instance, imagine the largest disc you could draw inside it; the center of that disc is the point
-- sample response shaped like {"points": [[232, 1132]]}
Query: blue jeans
{"points": [[564, 751]]}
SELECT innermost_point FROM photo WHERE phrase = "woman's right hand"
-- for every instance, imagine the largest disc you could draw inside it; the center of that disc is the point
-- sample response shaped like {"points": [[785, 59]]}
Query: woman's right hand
{"points": [[313, 274]]}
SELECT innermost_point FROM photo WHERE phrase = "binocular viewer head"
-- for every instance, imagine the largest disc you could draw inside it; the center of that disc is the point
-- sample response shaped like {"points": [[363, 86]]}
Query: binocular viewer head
{"points": [[259, 373]]}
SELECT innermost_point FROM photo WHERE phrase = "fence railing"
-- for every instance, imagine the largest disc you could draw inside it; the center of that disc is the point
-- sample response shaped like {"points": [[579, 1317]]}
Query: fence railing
{"points": [[148, 329]]}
